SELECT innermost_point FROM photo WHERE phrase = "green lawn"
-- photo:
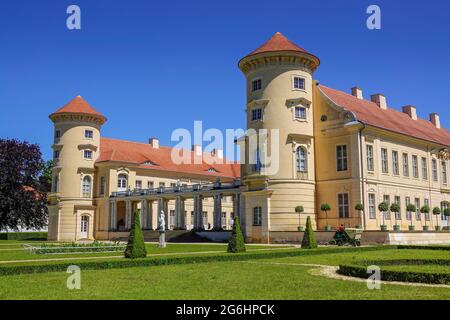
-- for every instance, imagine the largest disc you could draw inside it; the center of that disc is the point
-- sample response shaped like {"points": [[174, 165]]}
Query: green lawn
{"points": [[275, 278]]}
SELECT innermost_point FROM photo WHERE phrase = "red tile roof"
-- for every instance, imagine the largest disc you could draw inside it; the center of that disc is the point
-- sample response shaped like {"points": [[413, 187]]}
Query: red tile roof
{"points": [[80, 106], [369, 113], [138, 153]]}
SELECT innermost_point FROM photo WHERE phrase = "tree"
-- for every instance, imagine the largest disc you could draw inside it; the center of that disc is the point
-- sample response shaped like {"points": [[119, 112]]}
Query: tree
{"points": [[299, 210], [309, 241], [411, 208], [236, 243], [396, 209], [22, 204], [437, 213], [45, 180], [136, 245], [383, 207], [325, 207], [425, 210]]}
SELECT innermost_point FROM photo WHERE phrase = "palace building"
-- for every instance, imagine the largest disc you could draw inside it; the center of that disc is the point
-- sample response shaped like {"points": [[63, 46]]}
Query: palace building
{"points": [[332, 148]]}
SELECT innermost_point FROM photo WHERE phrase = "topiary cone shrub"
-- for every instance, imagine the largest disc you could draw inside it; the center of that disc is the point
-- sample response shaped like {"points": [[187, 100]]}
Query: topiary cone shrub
{"points": [[309, 241], [236, 243], [136, 246]]}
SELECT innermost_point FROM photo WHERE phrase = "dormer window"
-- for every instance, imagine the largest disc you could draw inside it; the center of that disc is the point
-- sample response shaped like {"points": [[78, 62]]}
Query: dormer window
{"points": [[256, 84], [56, 154], [58, 134], [212, 170], [256, 114], [88, 134], [149, 163], [298, 83]]}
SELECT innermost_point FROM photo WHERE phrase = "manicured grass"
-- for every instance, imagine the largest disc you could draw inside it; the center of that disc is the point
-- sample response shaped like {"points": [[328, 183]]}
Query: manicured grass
{"points": [[227, 280]]}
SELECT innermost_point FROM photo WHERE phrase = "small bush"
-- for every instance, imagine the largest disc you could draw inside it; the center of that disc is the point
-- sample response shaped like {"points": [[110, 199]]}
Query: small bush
{"points": [[136, 245], [236, 243], [23, 236], [433, 247], [309, 241]]}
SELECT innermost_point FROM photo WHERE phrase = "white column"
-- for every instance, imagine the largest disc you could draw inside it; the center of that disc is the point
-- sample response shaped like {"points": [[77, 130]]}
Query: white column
{"points": [[217, 213], [144, 215], [179, 213], [113, 215], [128, 214], [198, 212]]}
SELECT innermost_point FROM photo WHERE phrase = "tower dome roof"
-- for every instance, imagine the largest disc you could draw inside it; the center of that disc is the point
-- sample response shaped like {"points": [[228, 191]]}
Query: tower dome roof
{"points": [[78, 106], [278, 43]]}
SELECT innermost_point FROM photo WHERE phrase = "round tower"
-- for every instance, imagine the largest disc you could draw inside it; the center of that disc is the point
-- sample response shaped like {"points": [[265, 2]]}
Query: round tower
{"points": [[75, 149], [279, 173]]}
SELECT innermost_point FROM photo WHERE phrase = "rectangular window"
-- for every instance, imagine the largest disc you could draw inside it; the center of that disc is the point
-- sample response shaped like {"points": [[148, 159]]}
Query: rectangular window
{"points": [[370, 162], [398, 215], [417, 204], [424, 169], [172, 219], [102, 185], [162, 184], [257, 216], [444, 172], [299, 83], [434, 169], [300, 113], [256, 84], [426, 203], [372, 208], [415, 166], [405, 165], [88, 134], [444, 205], [58, 134], [224, 220], [387, 199], [56, 154], [205, 219], [343, 205], [341, 157], [395, 168], [87, 154], [138, 184], [384, 161], [407, 202], [150, 185], [257, 114]]}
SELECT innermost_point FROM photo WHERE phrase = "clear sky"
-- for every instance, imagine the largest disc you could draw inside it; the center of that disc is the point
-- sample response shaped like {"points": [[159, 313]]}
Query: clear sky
{"points": [[153, 66]]}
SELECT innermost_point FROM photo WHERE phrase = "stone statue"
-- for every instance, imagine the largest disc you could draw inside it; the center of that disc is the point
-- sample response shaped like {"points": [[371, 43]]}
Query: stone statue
{"points": [[162, 230]]}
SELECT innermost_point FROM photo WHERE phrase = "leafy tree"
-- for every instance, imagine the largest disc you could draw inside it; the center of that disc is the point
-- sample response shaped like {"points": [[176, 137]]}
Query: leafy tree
{"points": [[411, 208], [383, 207], [236, 243], [447, 212], [45, 179], [325, 207], [136, 245], [309, 241], [437, 213], [425, 210], [22, 204], [396, 209], [299, 210]]}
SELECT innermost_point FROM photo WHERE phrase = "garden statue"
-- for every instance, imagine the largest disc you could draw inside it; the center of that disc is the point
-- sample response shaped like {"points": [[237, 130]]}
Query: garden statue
{"points": [[162, 230]]}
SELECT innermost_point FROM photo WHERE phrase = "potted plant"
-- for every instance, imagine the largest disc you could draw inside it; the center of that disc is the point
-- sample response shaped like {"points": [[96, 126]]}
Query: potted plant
{"points": [[299, 210], [360, 208], [410, 208], [395, 208], [383, 207], [437, 213], [425, 210], [447, 214], [325, 207]]}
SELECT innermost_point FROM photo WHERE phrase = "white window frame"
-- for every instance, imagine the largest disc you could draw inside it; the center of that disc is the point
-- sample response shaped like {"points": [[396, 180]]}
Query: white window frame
{"points": [[444, 172], [372, 206], [434, 170], [398, 201], [122, 182], [301, 161], [256, 111], [88, 134], [86, 189], [87, 152], [424, 168], [343, 205], [298, 116], [370, 160], [405, 164], [387, 199], [296, 78], [257, 216], [384, 161], [342, 159], [102, 188], [395, 163], [415, 166]]}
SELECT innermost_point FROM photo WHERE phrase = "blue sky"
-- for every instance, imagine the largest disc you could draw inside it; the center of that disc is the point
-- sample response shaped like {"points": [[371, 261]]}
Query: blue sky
{"points": [[153, 66]]}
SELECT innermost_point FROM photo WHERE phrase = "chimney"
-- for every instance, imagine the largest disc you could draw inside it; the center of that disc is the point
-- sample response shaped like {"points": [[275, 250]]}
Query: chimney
{"points": [[357, 92], [218, 153], [380, 100], [434, 118], [197, 149], [154, 142], [410, 111]]}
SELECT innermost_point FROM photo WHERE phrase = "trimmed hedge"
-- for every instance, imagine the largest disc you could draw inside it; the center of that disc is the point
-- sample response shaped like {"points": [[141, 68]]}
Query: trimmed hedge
{"points": [[23, 236], [432, 247], [392, 275], [128, 263]]}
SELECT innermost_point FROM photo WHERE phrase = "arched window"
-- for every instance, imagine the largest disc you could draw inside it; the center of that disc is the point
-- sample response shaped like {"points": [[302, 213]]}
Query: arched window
{"points": [[87, 187], [301, 159], [122, 182], [257, 216]]}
